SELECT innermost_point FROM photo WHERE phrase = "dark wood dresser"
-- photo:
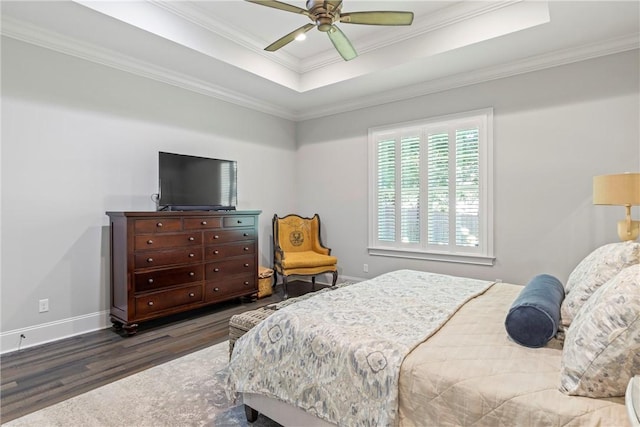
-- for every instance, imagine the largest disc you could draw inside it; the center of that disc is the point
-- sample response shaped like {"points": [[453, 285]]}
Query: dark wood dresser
{"points": [[164, 263]]}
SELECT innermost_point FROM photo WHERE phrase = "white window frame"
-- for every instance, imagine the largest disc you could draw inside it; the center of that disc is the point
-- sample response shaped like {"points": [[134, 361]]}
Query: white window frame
{"points": [[482, 254]]}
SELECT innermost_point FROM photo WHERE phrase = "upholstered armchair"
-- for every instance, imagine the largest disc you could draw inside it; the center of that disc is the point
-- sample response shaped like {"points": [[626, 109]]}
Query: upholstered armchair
{"points": [[298, 250]]}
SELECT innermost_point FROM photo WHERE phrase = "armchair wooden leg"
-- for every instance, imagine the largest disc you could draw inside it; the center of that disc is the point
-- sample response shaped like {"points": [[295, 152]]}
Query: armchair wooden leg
{"points": [[313, 283], [335, 278], [284, 287]]}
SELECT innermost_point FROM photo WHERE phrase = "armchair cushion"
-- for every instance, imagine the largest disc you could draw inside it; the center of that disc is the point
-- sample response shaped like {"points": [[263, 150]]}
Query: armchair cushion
{"points": [[307, 259]]}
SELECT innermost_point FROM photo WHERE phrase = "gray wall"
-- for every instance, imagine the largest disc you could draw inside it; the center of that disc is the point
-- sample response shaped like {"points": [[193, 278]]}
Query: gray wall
{"points": [[79, 139], [553, 131]]}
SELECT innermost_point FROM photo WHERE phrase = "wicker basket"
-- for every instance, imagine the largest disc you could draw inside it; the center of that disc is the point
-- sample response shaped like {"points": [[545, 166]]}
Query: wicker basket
{"points": [[264, 282]]}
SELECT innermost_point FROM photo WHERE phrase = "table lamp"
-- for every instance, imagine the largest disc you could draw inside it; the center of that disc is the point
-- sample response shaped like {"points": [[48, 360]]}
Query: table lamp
{"points": [[621, 190]]}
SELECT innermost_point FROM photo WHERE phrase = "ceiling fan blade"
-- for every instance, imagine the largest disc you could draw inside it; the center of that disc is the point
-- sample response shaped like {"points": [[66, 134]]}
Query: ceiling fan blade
{"points": [[279, 5], [283, 41], [377, 18], [342, 43]]}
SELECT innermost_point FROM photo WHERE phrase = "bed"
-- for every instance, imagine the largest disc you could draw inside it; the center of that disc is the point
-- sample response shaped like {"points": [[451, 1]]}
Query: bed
{"points": [[461, 369]]}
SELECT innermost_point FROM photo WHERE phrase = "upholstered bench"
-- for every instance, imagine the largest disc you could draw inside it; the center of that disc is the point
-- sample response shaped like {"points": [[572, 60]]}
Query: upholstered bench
{"points": [[239, 324]]}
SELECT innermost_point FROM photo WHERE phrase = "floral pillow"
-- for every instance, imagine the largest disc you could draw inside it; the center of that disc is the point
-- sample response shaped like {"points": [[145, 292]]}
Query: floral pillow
{"points": [[593, 271], [602, 348]]}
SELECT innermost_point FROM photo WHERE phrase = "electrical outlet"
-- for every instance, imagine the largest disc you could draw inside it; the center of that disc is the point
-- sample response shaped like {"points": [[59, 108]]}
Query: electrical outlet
{"points": [[43, 305], [365, 268]]}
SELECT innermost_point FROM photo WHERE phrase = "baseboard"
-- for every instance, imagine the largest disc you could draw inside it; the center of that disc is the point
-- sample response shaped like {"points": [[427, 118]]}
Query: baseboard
{"points": [[53, 331]]}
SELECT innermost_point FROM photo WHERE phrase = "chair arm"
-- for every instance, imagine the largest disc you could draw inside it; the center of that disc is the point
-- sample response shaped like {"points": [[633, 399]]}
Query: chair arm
{"points": [[278, 253], [320, 248]]}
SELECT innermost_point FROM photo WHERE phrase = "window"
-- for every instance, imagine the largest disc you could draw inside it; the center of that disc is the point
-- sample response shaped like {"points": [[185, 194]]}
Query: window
{"points": [[431, 189]]}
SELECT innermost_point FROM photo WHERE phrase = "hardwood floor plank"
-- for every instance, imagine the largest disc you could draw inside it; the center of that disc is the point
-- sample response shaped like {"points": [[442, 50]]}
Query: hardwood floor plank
{"points": [[37, 377]]}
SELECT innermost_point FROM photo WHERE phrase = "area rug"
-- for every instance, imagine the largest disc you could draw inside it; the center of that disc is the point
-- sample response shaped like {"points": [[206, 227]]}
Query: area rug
{"points": [[188, 391]]}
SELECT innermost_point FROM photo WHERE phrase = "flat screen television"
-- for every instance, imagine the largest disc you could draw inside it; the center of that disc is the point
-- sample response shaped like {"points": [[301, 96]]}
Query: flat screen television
{"points": [[196, 183]]}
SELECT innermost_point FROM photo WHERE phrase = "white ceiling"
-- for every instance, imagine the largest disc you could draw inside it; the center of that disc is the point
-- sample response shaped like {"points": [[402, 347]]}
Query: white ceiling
{"points": [[215, 47]]}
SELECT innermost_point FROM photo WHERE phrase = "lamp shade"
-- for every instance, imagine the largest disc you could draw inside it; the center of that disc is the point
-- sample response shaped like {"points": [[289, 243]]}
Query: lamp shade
{"points": [[620, 189]]}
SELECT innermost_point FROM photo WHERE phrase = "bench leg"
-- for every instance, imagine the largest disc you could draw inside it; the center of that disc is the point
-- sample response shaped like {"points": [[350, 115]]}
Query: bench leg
{"points": [[250, 413]]}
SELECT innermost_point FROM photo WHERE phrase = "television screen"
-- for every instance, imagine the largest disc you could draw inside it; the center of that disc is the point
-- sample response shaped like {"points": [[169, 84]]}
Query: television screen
{"points": [[195, 183]]}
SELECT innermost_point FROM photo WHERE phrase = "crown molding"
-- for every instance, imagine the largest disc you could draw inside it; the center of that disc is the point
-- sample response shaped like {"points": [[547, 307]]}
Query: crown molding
{"points": [[28, 33], [536, 63], [194, 14], [23, 31], [448, 16]]}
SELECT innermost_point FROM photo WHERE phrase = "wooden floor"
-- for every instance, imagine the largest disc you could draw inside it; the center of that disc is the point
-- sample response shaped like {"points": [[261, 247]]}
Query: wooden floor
{"points": [[37, 377]]}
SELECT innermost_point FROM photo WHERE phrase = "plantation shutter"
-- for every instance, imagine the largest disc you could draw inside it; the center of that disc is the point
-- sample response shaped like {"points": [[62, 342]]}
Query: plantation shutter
{"points": [[410, 189], [438, 188], [386, 185], [467, 187], [430, 185]]}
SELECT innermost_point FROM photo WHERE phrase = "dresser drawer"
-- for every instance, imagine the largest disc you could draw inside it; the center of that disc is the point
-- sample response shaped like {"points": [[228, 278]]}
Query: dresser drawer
{"points": [[224, 236], [218, 271], [236, 286], [170, 257], [202, 223], [158, 225], [231, 250], [148, 241], [238, 221], [158, 279], [159, 301]]}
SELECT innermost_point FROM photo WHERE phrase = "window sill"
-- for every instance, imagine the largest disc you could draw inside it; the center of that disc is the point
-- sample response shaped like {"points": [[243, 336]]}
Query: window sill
{"points": [[434, 256]]}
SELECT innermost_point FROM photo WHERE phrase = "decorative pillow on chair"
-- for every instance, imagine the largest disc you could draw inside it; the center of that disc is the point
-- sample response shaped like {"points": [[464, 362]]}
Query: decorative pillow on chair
{"points": [[602, 347], [535, 314], [594, 271]]}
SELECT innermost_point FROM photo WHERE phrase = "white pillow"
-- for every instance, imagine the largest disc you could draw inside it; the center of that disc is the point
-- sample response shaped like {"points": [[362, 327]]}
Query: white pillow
{"points": [[602, 348], [592, 272]]}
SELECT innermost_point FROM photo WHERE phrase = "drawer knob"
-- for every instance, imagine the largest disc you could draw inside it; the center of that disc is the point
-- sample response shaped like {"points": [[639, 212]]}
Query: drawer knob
{"points": [[150, 303], [216, 237], [239, 221], [204, 223], [159, 224], [246, 265], [216, 270], [246, 283], [191, 273], [245, 249], [149, 259], [192, 255], [149, 242], [150, 280], [216, 252], [216, 289], [245, 234], [191, 294], [191, 239]]}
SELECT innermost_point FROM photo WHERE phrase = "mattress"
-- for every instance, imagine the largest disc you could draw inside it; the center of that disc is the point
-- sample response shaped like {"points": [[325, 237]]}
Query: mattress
{"points": [[470, 373]]}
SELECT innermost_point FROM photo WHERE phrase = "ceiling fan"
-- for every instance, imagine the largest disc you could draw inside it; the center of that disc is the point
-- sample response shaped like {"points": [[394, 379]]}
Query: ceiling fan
{"points": [[325, 13]]}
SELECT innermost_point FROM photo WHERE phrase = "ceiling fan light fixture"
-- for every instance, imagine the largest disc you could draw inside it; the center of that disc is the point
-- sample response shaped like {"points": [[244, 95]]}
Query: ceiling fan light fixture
{"points": [[324, 24], [301, 37]]}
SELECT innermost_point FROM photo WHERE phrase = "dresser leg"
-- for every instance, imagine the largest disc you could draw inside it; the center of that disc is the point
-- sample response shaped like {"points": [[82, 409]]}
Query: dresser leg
{"points": [[130, 329], [117, 325]]}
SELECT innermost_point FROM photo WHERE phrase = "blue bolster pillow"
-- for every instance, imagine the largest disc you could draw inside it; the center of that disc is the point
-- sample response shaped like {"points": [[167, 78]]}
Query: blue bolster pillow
{"points": [[534, 316]]}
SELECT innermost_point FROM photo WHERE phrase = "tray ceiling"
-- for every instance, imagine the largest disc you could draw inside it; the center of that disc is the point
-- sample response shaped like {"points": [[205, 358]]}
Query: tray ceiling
{"points": [[216, 47]]}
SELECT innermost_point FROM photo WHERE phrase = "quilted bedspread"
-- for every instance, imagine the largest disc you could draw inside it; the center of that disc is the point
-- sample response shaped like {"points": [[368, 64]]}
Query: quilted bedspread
{"points": [[338, 355], [470, 374]]}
